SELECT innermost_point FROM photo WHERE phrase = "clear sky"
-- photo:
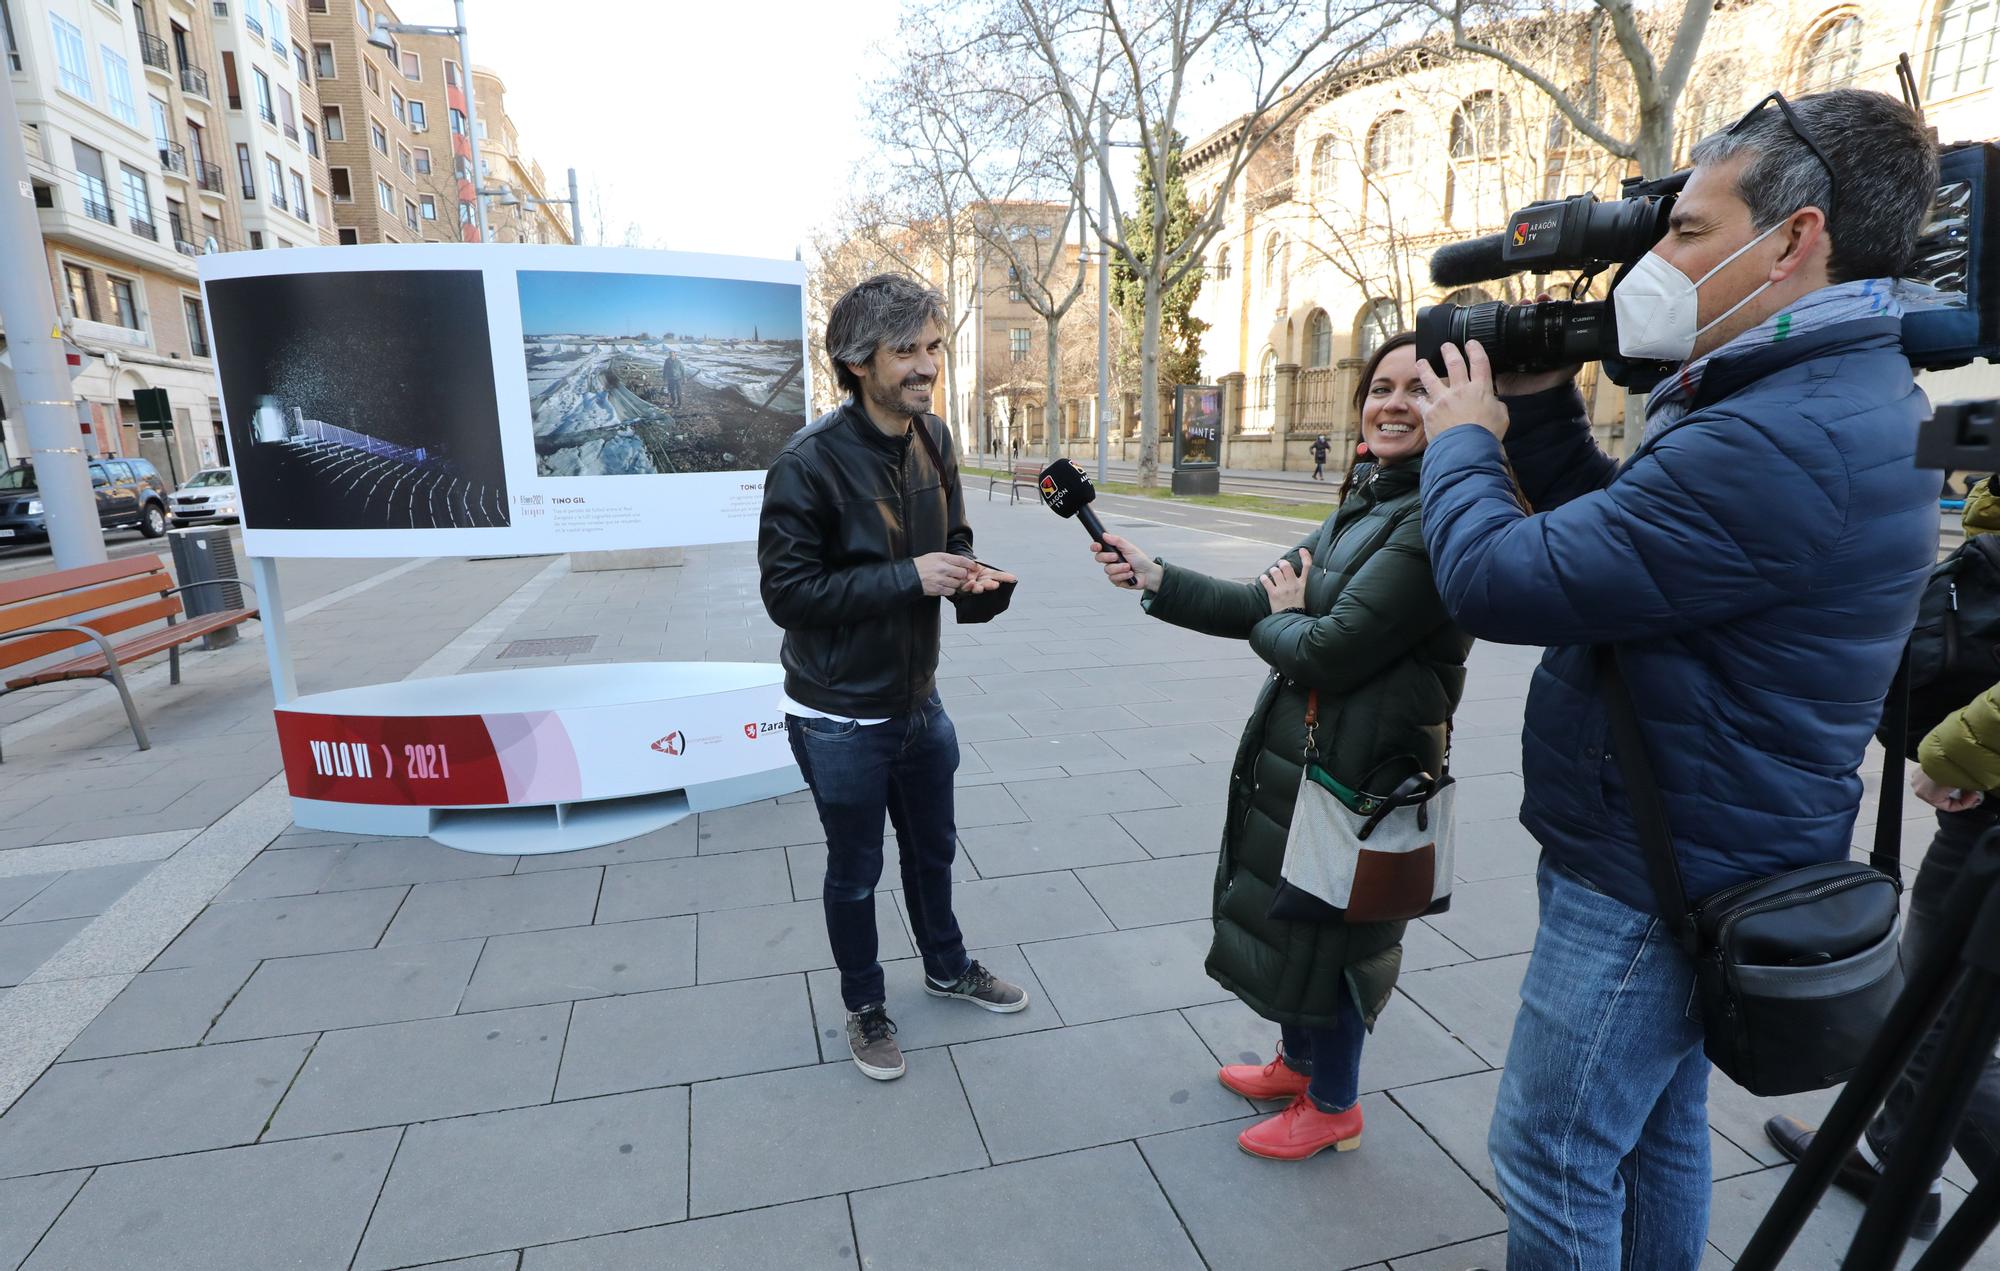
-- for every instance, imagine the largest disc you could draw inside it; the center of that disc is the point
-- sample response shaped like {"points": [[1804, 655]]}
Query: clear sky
{"points": [[626, 304]]}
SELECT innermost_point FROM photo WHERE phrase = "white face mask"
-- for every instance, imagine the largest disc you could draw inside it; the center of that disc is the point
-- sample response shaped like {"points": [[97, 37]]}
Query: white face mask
{"points": [[1656, 306]]}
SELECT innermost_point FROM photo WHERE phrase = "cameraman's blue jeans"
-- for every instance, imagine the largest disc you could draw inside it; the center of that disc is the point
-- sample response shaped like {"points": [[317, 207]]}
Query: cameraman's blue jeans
{"points": [[1600, 1137], [902, 767]]}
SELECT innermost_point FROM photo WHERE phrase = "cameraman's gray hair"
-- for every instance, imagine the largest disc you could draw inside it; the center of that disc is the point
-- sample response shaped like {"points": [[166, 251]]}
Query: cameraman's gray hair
{"points": [[1886, 165], [887, 309]]}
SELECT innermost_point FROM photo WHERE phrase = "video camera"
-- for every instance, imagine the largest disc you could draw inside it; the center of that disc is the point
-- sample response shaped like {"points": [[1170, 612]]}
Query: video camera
{"points": [[1958, 258]]}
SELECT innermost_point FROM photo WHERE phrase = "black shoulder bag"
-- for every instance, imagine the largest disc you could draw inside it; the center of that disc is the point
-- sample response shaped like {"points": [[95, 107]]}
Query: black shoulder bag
{"points": [[1793, 973], [983, 606]]}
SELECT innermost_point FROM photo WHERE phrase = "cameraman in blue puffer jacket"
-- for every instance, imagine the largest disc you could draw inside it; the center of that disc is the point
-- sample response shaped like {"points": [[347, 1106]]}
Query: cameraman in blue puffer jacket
{"points": [[1759, 558]]}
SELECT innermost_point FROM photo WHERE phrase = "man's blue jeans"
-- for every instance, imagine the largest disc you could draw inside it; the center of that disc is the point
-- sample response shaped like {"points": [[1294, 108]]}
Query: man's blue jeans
{"points": [[902, 767], [1600, 1138]]}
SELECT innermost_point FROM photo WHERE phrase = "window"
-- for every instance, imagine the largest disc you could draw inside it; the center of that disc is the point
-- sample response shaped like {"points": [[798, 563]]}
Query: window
{"points": [[457, 122], [1325, 167], [288, 115], [1013, 284], [163, 132], [423, 157], [118, 85], [1710, 105], [374, 80], [197, 325], [1267, 380], [90, 175], [329, 118], [1378, 321], [7, 36], [378, 136], [82, 291], [323, 64], [1222, 264], [1018, 339], [1833, 53], [410, 215], [250, 18], [312, 138], [403, 160], [274, 17], [1319, 339], [396, 107], [124, 303], [418, 122], [1481, 126], [362, 16], [429, 208], [262, 82], [256, 240], [349, 238], [197, 147], [451, 73], [413, 66], [138, 200], [300, 66], [1391, 143], [246, 173], [315, 6], [385, 196], [277, 175], [229, 80], [72, 71], [1965, 47], [1273, 249], [300, 208], [341, 184], [465, 214]]}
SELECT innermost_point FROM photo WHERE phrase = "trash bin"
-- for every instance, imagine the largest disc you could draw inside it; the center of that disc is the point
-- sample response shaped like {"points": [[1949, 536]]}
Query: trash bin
{"points": [[205, 554]]}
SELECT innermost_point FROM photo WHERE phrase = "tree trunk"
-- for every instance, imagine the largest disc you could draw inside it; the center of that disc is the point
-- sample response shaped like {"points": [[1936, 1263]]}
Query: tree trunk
{"points": [[1051, 404], [1655, 141], [1149, 380]]}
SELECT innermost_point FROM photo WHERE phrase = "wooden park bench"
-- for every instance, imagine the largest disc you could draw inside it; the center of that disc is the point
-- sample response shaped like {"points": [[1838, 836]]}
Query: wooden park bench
{"points": [[51, 612], [1023, 473]]}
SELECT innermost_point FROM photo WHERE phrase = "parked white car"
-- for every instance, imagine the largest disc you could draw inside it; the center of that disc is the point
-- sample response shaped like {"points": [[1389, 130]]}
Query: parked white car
{"points": [[206, 497]]}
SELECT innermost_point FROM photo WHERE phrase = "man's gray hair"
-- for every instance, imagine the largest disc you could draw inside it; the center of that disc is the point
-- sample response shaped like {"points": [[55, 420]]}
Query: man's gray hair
{"points": [[887, 309], [1884, 179]]}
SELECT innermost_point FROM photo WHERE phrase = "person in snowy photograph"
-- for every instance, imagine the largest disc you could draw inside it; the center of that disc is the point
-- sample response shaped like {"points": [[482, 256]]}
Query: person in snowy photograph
{"points": [[1358, 641], [863, 531]]}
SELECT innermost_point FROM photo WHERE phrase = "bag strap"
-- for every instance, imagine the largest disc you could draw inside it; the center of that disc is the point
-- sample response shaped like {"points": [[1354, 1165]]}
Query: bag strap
{"points": [[1312, 725], [949, 478], [1649, 810], [1887, 854]]}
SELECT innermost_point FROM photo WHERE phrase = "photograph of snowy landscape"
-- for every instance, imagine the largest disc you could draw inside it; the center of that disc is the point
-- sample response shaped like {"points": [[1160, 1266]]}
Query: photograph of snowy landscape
{"points": [[659, 373]]}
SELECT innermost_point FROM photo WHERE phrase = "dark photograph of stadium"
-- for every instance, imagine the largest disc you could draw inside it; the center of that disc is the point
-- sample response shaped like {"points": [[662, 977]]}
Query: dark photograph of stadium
{"points": [[360, 401]]}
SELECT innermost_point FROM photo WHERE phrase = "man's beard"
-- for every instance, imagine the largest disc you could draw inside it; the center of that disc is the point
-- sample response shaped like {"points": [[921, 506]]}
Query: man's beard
{"points": [[891, 398]]}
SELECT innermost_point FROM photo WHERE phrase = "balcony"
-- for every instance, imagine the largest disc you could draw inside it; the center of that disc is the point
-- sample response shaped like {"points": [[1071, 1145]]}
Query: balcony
{"points": [[208, 177], [173, 159], [144, 229], [153, 52], [186, 248], [194, 81], [249, 20], [268, 115], [278, 200], [291, 131], [98, 211]]}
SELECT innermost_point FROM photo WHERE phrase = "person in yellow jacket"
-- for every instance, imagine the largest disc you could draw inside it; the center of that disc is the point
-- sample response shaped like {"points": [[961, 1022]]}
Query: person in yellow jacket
{"points": [[1958, 767]]}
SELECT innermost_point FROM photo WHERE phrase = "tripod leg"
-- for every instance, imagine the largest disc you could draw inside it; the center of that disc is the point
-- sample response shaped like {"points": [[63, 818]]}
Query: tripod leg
{"points": [[1923, 997], [1966, 1232]]}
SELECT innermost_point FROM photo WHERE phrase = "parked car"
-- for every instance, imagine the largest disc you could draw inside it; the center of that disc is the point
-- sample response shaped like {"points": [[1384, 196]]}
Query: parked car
{"points": [[206, 497], [130, 495]]}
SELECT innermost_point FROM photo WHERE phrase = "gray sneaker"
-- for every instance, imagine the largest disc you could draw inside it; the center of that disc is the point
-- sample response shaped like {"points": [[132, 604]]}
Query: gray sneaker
{"points": [[871, 1035], [981, 987]]}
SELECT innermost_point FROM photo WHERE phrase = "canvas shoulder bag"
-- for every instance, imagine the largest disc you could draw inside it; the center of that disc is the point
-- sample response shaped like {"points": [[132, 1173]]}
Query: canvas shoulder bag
{"points": [[1362, 854], [1794, 973]]}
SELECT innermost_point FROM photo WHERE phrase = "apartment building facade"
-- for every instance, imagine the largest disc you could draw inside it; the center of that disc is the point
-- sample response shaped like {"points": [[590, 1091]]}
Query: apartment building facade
{"points": [[530, 212]]}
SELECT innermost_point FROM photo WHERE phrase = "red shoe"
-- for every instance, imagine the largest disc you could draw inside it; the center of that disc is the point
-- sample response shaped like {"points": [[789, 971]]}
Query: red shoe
{"points": [[1274, 1080], [1302, 1130]]}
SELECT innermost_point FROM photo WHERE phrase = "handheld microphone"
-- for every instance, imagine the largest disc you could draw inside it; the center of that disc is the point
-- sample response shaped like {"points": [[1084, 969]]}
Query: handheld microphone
{"points": [[1068, 493], [1475, 260]]}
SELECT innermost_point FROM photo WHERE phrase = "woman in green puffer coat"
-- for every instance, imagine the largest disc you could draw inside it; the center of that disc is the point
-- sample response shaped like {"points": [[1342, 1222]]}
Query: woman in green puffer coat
{"points": [[1351, 614]]}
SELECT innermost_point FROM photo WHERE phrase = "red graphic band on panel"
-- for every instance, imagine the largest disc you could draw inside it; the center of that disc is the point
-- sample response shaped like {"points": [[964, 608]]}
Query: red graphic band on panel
{"points": [[399, 760]]}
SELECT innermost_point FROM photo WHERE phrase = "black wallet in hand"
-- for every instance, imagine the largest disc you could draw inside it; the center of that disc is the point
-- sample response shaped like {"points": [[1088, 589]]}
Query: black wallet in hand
{"points": [[983, 606]]}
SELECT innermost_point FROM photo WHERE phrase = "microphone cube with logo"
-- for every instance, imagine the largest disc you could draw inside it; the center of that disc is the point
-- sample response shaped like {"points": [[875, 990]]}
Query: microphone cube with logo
{"points": [[1069, 493]]}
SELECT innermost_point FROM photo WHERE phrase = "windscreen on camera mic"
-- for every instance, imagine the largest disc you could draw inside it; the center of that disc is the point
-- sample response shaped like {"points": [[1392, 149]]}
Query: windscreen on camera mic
{"points": [[1475, 260], [1065, 489]]}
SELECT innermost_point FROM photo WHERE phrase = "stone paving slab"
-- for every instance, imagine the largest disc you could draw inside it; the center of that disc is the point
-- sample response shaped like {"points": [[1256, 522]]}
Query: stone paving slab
{"points": [[572, 963], [161, 1010], [1134, 972], [1026, 908], [24, 946], [744, 944], [284, 927], [1035, 847], [680, 1036], [811, 1235], [469, 907], [695, 884], [28, 1207], [349, 990], [81, 893]]}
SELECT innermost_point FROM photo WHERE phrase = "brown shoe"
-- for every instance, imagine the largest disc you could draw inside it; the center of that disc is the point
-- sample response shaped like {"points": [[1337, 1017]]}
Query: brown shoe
{"points": [[981, 987], [871, 1035]]}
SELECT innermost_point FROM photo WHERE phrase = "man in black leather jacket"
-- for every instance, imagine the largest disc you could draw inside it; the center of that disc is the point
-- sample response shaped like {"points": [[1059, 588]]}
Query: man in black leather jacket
{"points": [[863, 531]]}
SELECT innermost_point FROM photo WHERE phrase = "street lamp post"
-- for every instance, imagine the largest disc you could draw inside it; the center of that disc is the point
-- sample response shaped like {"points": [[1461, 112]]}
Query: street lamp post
{"points": [[382, 38], [1105, 145], [508, 198]]}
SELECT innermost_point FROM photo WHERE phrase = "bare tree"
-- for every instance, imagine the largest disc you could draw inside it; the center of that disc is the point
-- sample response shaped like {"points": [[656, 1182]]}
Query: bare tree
{"points": [[1139, 58]]}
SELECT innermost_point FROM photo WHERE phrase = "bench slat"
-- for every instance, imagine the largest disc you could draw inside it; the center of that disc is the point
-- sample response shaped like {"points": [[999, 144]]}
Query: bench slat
{"points": [[93, 664], [42, 613], [15, 652], [84, 576]]}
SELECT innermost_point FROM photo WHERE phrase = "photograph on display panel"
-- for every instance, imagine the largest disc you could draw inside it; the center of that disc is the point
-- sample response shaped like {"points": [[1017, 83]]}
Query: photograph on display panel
{"points": [[361, 400], [630, 374]]}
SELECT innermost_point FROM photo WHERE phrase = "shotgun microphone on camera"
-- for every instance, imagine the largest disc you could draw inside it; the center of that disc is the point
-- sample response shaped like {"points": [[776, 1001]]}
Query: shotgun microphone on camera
{"points": [[1068, 493]]}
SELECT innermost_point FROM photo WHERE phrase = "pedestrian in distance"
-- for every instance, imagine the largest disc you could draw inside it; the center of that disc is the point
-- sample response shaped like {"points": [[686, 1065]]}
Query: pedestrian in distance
{"points": [[1349, 621], [1757, 564], [673, 381], [863, 532], [1319, 449]]}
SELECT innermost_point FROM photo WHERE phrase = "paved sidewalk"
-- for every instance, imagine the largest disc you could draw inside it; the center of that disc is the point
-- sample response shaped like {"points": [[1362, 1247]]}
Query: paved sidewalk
{"points": [[279, 1047]]}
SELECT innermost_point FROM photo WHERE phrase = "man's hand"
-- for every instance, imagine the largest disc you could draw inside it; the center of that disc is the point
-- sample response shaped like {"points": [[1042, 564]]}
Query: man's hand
{"points": [[1131, 569], [1286, 587], [943, 573], [1464, 396], [1944, 798], [986, 578]]}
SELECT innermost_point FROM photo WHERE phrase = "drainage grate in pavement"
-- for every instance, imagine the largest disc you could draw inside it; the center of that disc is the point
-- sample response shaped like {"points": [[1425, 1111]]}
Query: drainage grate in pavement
{"points": [[556, 646]]}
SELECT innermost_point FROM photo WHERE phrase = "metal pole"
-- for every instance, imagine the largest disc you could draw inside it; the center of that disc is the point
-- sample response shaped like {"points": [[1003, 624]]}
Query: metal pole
{"points": [[41, 372], [575, 217], [1103, 293], [472, 125]]}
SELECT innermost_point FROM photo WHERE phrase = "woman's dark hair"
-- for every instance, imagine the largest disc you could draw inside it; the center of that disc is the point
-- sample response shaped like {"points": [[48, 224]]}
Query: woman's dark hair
{"points": [[1373, 364]]}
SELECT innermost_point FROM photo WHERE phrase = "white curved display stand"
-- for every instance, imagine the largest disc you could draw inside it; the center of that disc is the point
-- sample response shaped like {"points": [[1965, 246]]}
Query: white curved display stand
{"points": [[540, 759]]}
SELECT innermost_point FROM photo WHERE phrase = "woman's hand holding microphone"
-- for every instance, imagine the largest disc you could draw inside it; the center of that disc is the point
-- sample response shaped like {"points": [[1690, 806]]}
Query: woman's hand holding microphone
{"points": [[1127, 565]]}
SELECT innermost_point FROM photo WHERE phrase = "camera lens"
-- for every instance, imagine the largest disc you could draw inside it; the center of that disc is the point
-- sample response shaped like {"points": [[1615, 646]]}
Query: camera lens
{"points": [[1531, 337]]}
